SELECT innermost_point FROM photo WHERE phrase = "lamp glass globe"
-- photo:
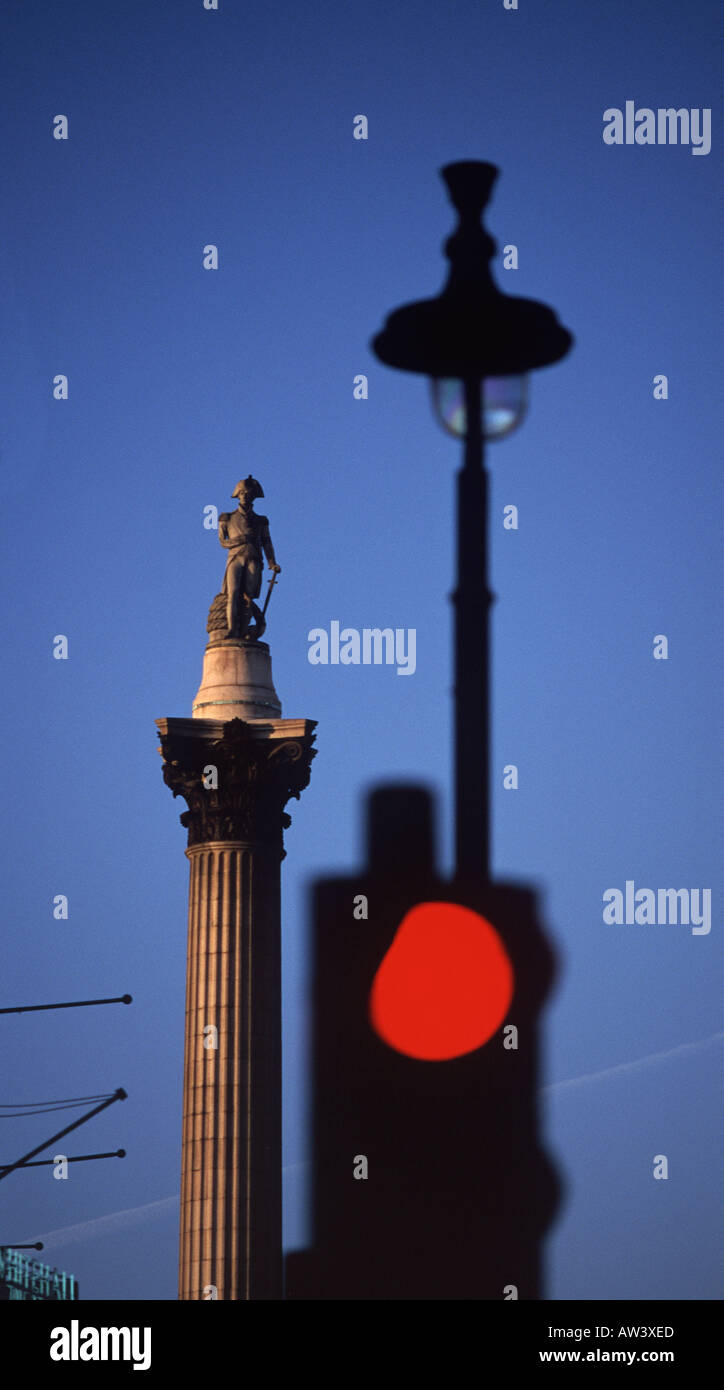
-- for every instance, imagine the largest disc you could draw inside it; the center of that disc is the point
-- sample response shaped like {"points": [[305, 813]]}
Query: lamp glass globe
{"points": [[504, 404]]}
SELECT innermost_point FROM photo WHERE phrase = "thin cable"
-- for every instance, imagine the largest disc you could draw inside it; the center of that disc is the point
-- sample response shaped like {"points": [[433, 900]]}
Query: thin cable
{"points": [[120, 1094], [46, 1110], [61, 1100]]}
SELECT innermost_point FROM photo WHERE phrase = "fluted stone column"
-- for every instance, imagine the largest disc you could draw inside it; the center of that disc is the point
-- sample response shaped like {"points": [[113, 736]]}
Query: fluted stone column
{"points": [[236, 777]]}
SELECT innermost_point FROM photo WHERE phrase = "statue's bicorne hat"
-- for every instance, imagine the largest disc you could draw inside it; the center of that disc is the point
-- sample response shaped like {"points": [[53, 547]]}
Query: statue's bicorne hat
{"points": [[254, 487]]}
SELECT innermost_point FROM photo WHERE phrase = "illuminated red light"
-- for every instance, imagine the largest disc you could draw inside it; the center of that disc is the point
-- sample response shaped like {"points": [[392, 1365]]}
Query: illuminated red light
{"points": [[444, 986]]}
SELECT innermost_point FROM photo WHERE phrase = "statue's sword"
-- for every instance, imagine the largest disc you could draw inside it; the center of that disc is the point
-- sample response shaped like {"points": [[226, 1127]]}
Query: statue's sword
{"points": [[272, 582]]}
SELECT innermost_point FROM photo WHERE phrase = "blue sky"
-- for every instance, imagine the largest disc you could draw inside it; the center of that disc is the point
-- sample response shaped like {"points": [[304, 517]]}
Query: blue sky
{"points": [[190, 127]]}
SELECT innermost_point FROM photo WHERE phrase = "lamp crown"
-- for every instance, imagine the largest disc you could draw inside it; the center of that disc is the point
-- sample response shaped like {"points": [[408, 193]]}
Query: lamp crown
{"points": [[472, 329], [470, 184]]}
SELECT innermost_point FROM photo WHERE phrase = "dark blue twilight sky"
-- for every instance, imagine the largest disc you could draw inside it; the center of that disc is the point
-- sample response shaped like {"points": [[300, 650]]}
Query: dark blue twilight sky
{"points": [[234, 127]]}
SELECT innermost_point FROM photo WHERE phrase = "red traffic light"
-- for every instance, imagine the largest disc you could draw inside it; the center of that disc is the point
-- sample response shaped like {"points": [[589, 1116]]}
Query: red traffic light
{"points": [[445, 985]]}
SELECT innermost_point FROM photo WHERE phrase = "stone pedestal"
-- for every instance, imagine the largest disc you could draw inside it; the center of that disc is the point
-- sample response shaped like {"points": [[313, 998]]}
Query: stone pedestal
{"points": [[236, 778], [236, 682]]}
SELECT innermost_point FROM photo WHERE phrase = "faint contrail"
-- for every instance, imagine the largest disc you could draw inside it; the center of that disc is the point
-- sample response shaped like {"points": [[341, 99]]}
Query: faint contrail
{"points": [[115, 1221], [133, 1216], [684, 1050], [105, 1225]]}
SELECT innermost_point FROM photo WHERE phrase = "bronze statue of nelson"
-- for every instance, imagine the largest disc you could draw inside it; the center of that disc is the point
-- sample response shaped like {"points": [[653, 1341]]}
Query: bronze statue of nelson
{"points": [[246, 537]]}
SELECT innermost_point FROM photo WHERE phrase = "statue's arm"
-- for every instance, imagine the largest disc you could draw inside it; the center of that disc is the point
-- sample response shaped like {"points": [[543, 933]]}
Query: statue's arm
{"points": [[268, 548], [224, 530]]}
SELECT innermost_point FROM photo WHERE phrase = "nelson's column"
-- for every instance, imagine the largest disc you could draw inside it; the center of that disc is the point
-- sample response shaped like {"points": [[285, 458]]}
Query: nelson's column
{"points": [[236, 763]]}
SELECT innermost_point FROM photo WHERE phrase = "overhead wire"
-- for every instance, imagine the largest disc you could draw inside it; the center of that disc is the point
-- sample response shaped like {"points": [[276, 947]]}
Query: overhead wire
{"points": [[46, 1107]]}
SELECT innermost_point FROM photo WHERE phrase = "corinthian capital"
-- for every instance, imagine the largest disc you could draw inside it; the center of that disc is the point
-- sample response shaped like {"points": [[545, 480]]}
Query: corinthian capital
{"points": [[236, 777]]}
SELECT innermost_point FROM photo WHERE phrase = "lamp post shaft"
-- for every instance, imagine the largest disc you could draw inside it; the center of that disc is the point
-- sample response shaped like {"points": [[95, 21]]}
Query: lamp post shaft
{"points": [[472, 601]]}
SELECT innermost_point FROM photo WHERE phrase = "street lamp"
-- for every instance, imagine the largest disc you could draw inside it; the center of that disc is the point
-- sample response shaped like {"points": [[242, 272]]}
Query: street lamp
{"points": [[419, 1006], [477, 346]]}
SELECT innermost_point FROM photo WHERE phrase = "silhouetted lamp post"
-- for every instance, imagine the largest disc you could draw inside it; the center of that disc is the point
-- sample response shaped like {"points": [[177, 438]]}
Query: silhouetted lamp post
{"points": [[426, 1007], [477, 345]]}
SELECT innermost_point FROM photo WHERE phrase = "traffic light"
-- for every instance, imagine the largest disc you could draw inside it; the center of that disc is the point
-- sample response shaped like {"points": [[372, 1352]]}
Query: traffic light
{"points": [[430, 1181]]}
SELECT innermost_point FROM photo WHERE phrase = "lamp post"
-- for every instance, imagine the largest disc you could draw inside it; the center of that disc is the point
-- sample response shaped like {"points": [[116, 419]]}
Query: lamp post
{"points": [[477, 345], [426, 1009]]}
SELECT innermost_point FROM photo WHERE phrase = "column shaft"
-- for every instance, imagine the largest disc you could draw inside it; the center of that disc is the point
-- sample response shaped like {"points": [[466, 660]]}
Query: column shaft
{"points": [[231, 1144]]}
